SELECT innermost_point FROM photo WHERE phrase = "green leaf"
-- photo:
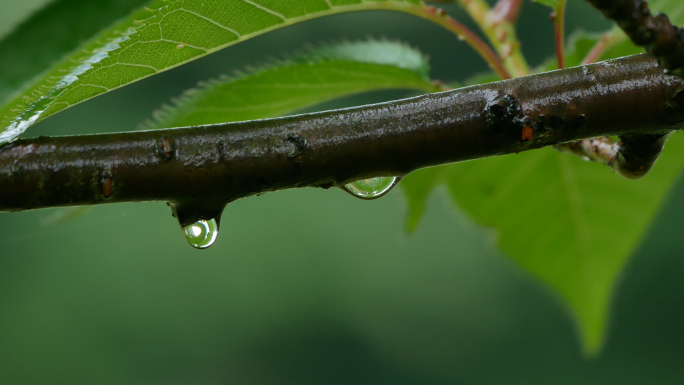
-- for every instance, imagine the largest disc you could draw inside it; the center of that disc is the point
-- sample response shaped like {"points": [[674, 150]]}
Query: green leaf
{"points": [[674, 9], [51, 33], [417, 187], [570, 223], [160, 36], [16, 12], [581, 42], [316, 76], [549, 3]]}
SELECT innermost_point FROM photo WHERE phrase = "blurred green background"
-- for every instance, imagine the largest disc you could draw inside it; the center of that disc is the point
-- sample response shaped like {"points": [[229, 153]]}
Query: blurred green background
{"points": [[314, 287]]}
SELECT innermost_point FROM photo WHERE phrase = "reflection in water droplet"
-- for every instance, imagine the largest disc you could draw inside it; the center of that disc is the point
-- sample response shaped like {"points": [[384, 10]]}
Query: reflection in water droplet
{"points": [[202, 233], [97, 57], [372, 188], [81, 69]]}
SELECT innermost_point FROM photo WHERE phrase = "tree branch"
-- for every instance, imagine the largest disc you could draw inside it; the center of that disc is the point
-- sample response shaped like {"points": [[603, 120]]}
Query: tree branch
{"points": [[201, 169], [663, 40], [655, 33]]}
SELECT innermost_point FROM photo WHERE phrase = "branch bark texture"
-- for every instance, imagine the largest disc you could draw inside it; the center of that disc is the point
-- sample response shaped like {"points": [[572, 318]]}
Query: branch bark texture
{"points": [[201, 169]]}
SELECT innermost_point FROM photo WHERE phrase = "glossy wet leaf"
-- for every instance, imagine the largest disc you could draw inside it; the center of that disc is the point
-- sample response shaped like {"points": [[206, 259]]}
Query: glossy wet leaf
{"points": [[162, 35], [52, 32], [570, 223], [321, 74]]}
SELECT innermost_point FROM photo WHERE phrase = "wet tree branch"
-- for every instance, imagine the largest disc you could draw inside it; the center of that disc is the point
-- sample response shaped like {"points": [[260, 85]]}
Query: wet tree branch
{"points": [[655, 33], [199, 170], [664, 41]]}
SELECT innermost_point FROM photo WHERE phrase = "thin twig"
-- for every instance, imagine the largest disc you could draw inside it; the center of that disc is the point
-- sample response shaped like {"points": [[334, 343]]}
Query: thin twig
{"points": [[607, 41], [558, 18], [499, 31], [440, 17]]}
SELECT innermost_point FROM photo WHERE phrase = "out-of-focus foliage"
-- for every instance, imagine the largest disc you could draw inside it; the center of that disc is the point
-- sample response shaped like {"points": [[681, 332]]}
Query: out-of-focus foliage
{"points": [[321, 74]]}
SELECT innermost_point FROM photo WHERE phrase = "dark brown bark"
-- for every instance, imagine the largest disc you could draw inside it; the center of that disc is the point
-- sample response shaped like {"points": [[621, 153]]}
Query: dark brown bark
{"points": [[199, 170], [655, 33]]}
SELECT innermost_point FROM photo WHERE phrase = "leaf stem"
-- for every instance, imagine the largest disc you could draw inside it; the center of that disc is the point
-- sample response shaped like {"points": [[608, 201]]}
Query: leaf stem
{"points": [[439, 17], [499, 27], [558, 17], [507, 10], [605, 42]]}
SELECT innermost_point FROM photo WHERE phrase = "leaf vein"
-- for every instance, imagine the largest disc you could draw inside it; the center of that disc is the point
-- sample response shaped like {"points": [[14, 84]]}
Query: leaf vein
{"points": [[272, 12], [236, 33]]}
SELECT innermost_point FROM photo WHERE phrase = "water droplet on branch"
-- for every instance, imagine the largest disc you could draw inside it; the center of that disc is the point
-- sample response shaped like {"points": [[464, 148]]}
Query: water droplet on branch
{"points": [[202, 233], [199, 221], [371, 188]]}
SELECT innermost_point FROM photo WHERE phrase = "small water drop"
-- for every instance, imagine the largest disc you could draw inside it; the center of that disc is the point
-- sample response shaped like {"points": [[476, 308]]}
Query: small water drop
{"points": [[371, 188], [202, 233]]}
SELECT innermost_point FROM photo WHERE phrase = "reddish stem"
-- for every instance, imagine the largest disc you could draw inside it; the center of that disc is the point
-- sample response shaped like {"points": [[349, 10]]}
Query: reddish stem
{"points": [[558, 18], [596, 51], [440, 17]]}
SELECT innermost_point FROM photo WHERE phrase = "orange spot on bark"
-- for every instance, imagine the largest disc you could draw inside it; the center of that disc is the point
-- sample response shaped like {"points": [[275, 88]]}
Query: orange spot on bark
{"points": [[107, 187], [527, 133], [167, 146]]}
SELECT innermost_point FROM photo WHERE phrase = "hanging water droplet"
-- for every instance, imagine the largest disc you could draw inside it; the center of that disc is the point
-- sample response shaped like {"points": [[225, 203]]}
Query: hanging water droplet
{"points": [[202, 233], [371, 188]]}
